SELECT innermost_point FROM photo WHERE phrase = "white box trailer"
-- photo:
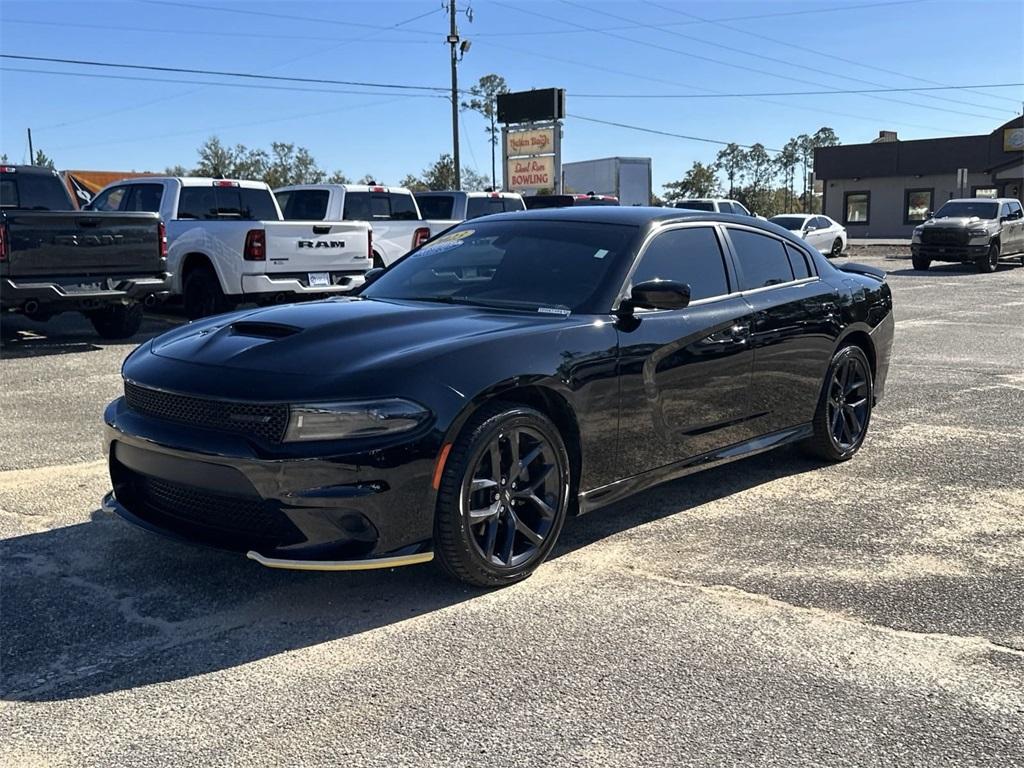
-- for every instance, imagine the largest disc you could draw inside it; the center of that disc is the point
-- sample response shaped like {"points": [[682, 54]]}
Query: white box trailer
{"points": [[628, 178]]}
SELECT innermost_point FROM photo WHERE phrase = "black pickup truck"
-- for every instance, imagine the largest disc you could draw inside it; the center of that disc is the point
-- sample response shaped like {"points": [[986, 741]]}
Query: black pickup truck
{"points": [[56, 259]]}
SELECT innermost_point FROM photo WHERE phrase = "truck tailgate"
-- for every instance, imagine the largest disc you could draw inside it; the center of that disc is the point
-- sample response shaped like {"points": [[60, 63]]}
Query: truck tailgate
{"points": [[315, 246], [74, 243]]}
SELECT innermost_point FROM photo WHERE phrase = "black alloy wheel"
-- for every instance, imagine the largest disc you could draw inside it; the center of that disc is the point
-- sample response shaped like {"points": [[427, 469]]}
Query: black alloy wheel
{"points": [[844, 411], [503, 497], [837, 248], [990, 262]]}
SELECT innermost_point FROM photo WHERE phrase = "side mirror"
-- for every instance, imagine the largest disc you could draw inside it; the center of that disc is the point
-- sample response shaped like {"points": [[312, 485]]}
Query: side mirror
{"points": [[929, 215], [657, 294], [809, 228], [372, 274]]}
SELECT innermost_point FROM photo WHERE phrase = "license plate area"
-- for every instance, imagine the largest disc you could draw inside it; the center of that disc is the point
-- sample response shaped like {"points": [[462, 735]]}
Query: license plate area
{"points": [[319, 279]]}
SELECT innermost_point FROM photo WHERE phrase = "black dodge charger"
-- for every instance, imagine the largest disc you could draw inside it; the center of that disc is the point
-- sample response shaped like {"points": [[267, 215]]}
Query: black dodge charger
{"points": [[516, 370]]}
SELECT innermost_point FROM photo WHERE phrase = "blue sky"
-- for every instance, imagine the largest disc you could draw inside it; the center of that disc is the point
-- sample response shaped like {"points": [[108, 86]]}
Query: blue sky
{"points": [[589, 48]]}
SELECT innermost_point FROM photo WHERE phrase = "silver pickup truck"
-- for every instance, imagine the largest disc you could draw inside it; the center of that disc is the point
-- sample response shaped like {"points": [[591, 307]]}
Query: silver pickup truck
{"points": [[972, 230]]}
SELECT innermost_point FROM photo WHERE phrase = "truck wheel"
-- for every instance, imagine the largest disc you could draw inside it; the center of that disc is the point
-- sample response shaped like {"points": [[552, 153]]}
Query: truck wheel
{"points": [[121, 321], [921, 263], [989, 262], [202, 295]]}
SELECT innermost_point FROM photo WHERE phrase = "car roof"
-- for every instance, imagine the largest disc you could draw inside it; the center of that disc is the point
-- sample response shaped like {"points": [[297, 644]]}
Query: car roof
{"points": [[638, 216], [982, 200]]}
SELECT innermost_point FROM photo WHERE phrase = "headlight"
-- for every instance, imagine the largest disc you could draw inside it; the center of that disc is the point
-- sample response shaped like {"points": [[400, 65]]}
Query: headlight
{"points": [[977, 232], [368, 418], [918, 231]]}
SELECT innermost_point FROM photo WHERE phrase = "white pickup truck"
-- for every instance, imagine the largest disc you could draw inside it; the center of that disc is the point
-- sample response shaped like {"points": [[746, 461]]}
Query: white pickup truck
{"points": [[442, 210], [391, 211], [227, 242]]}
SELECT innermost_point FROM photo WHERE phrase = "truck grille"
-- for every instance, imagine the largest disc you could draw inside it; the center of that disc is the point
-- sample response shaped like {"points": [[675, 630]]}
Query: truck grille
{"points": [[944, 237], [264, 421]]}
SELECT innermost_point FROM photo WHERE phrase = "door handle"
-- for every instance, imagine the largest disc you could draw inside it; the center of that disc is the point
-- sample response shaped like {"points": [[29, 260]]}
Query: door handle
{"points": [[739, 332], [321, 229]]}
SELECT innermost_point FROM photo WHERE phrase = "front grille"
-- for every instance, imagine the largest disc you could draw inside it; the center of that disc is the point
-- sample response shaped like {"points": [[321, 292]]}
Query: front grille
{"points": [[261, 420], [944, 237], [233, 521]]}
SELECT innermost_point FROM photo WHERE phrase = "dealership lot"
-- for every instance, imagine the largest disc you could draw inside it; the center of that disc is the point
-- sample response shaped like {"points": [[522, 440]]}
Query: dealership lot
{"points": [[774, 611]]}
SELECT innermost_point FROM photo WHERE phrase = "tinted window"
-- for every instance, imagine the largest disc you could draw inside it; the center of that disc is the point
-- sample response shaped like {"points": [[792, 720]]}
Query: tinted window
{"points": [[403, 207], [144, 197], [257, 204], [514, 204], [436, 206], [726, 207], [549, 201], [1015, 210], [8, 193], [109, 200], [197, 203], [481, 206], [367, 206], [789, 222], [763, 259], [738, 208], [305, 204], [692, 256], [36, 191], [696, 205], [527, 265], [211, 203], [822, 223], [798, 263]]}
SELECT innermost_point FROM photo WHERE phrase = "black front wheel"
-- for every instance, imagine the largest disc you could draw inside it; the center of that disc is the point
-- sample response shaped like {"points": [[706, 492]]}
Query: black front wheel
{"points": [[503, 496], [120, 321], [989, 262], [921, 263], [837, 248], [844, 410]]}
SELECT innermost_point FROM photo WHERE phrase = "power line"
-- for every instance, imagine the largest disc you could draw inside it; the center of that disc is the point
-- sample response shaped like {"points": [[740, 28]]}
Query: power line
{"points": [[212, 72], [288, 16], [787, 93], [831, 55], [670, 134], [743, 67]]}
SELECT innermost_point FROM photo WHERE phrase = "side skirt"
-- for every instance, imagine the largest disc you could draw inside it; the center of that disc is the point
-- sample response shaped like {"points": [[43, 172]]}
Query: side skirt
{"points": [[620, 489]]}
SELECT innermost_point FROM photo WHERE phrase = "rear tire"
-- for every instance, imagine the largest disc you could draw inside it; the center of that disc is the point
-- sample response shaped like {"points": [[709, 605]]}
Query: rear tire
{"points": [[921, 264], [378, 262], [120, 321], [989, 262], [202, 295], [844, 408], [497, 519]]}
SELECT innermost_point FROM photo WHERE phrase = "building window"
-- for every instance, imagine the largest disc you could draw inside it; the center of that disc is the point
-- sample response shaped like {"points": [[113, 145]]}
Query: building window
{"points": [[916, 205], [990, 192], [856, 207]]}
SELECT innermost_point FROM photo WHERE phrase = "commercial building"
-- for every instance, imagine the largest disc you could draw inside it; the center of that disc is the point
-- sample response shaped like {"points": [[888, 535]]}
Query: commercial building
{"points": [[886, 188]]}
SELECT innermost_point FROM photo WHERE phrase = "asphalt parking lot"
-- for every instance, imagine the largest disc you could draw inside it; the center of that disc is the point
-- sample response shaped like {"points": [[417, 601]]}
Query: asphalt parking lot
{"points": [[771, 612]]}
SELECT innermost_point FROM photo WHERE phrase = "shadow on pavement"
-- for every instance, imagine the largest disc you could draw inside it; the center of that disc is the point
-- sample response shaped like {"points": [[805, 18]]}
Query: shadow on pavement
{"points": [[68, 333], [103, 606]]}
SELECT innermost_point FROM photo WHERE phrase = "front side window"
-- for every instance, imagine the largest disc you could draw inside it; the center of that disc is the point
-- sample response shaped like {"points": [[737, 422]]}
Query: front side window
{"points": [[762, 259], [916, 205], [536, 266], [691, 255], [109, 200], [857, 208], [1015, 210]]}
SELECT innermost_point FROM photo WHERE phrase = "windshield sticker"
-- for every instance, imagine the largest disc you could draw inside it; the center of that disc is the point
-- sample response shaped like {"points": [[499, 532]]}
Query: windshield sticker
{"points": [[601, 253], [439, 247], [462, 234], [553, 311]]}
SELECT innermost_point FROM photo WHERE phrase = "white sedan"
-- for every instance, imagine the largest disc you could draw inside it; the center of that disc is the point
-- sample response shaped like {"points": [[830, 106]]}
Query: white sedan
{"points": [[821, 232]]}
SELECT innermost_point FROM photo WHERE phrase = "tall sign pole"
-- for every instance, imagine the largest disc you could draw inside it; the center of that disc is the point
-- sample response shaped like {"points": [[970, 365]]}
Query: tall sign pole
{"points": [[453, 41]]}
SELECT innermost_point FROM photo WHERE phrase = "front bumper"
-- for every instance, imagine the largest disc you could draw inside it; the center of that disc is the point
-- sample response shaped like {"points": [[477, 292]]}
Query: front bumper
{"points": [[284, 506], [961, 253], [80, 294]]}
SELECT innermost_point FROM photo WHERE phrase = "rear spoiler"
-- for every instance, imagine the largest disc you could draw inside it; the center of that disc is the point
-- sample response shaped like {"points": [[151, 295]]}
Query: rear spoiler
{"points": [[862, 269]]}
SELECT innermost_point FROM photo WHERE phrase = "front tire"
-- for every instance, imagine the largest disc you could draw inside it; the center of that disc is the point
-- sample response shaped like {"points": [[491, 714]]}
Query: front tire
{"points": [[921, 264], [837, 248], [844, 409], [989, 262], [120, 321], [503, 496]]}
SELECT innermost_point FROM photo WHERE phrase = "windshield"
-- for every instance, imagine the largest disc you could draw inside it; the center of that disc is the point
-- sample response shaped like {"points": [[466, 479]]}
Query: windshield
{"points": [[696, 205], [981, 209], [789, 222], [537, 266]]}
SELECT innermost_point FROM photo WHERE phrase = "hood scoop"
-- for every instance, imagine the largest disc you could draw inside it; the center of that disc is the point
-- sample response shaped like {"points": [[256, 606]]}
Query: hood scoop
{"points": [[263, 330]]}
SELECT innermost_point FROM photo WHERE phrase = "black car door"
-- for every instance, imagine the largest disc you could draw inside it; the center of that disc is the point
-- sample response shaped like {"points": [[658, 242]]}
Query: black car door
{"points": [[684, 374], [794, 329]]}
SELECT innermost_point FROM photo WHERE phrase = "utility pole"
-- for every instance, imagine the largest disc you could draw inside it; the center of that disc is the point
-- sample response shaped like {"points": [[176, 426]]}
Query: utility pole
{"points": [[31, 153], [453, 41]]}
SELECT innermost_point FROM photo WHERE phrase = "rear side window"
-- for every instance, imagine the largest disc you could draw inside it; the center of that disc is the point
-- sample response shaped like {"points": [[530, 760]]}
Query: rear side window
{"points": [[35, 192], [692, 256], [763, 260], [304, 204], [436, 206], [797, 262], [228, 203], [144, 197], [822, 223]]}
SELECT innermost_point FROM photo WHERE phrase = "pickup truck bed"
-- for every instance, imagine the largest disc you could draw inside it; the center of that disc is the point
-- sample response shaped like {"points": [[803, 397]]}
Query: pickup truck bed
{"points": [[51, 261]]}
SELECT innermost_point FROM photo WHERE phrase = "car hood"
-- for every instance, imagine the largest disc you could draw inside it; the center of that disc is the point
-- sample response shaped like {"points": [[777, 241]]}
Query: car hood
{"points": [[954, 222], [341, 336]]}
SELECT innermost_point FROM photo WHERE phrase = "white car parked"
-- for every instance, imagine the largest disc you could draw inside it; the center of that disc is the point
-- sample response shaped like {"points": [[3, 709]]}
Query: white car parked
{"points": [[227, 243], [821, 232]]}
